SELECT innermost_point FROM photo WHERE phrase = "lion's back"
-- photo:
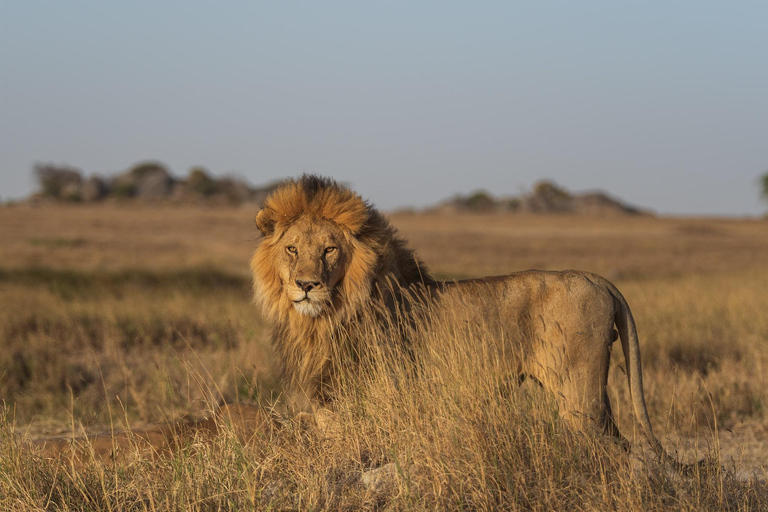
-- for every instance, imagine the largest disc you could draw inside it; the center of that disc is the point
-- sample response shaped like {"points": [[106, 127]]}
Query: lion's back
{"points": [[533, 289], [535, 307]]}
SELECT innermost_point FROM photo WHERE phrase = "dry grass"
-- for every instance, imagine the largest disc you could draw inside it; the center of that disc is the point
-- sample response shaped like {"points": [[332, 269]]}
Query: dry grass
{"points": [[114, 317]]}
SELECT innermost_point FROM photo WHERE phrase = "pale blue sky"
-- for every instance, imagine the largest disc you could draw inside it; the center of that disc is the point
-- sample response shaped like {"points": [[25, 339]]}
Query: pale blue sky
{"points": [[661, 103]]}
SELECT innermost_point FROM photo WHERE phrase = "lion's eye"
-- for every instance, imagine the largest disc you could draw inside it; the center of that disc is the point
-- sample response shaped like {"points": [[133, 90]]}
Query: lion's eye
{"points": [[291, 249], [329, 250]]}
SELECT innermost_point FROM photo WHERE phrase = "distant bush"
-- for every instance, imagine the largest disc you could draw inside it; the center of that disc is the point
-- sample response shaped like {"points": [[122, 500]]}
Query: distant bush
{"points": [[58, 182], [144, 169], [124, 190], [550, 189], [480, 200], [511, 204], [200, 183]]}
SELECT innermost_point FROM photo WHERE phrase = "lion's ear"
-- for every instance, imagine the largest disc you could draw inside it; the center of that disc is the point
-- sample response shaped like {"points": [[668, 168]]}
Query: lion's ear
{"points": [[265, 221]]}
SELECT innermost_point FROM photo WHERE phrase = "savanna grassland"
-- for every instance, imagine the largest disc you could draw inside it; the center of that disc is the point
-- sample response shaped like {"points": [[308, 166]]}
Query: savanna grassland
{"points": [[118, 318]]}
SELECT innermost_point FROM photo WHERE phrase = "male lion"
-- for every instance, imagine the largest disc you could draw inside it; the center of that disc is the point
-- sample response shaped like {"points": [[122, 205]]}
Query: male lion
{"points": [[326, 255]]}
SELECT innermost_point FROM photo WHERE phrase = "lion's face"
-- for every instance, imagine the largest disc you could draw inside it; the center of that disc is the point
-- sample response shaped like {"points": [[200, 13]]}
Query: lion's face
{"points": [[311, 263], [323, 255]]}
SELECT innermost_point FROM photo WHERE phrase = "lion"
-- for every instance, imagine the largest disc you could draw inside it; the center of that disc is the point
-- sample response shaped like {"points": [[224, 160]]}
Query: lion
{"points": [[326, 255]]}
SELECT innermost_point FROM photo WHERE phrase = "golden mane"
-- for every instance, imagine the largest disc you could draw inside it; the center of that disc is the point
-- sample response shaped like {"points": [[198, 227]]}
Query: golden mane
{"points": [[377, 259]]}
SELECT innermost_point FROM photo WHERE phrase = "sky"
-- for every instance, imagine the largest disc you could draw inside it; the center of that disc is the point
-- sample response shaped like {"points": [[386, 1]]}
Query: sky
{"points": [[662, 104]]}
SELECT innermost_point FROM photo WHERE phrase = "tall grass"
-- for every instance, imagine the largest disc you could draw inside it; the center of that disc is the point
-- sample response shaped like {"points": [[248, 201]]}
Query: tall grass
{"points": [[82, 344], [705, 347], [439, 417], [116, 319]]}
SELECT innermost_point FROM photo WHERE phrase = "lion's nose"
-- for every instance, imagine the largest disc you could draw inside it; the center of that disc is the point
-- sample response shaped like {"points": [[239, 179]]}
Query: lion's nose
{"points": [[307, 285]]}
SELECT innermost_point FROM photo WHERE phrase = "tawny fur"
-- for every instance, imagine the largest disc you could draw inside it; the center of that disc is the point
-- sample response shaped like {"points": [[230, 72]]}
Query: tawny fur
{"points": [[557, 327]]}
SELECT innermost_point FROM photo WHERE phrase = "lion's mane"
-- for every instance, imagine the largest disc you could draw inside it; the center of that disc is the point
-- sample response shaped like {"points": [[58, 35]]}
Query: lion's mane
{"points": [[377, 260]]}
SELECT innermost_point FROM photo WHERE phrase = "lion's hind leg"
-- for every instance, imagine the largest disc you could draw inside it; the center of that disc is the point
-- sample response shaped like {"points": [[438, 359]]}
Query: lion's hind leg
{"points": [[579, 384], [609, 424]]}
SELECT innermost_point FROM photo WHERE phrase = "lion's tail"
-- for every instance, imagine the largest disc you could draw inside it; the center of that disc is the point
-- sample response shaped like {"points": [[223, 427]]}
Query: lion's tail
{"points": [[630, 345]]}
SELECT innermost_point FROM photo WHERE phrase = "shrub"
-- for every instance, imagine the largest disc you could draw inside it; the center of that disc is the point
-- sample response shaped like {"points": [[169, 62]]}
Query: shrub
{"points": [[200, 183], [58, 181], [480, 201]]}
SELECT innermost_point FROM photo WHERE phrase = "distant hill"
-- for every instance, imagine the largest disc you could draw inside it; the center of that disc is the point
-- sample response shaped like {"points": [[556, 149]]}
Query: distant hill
{"points": [[545, 198], [146, 181]]}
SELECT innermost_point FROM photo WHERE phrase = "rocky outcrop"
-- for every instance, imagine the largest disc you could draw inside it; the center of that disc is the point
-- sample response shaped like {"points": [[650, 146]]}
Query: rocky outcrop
{"points": [[146, 181], [153, 181], [94, 189], [545, 198]]}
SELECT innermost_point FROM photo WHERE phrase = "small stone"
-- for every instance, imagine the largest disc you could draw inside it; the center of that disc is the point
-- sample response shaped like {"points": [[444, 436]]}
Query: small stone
{"points": [[381, 479]]}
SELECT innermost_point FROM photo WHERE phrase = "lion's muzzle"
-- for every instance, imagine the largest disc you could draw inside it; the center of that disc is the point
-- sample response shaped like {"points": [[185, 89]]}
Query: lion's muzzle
{"points": [[308, 297], [307, 286]]}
